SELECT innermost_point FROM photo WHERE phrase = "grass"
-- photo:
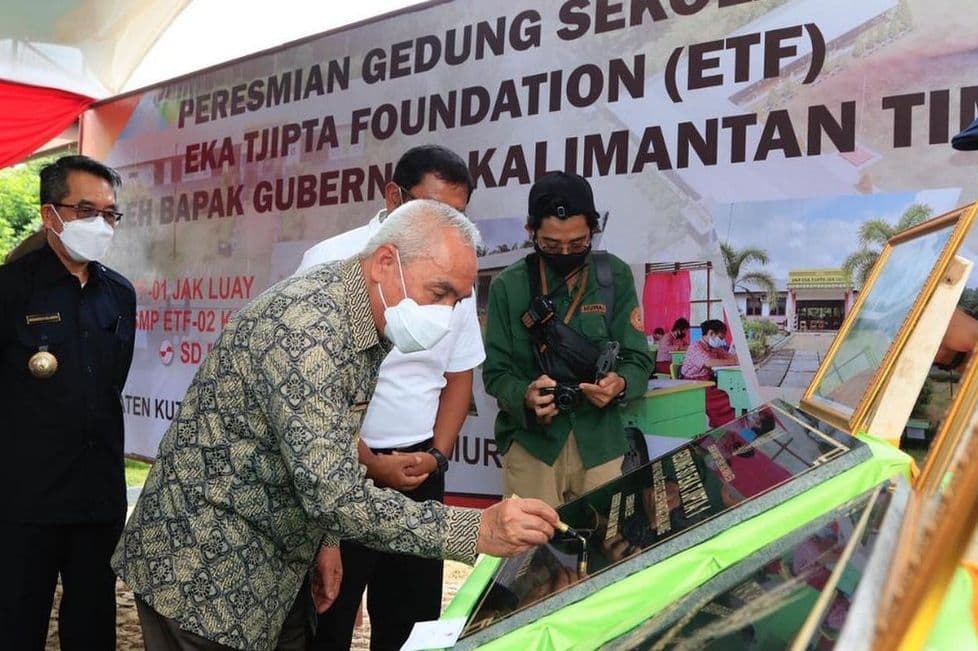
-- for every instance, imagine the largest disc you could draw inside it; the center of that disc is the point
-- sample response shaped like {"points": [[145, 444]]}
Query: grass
{"points": [[136, 472]]}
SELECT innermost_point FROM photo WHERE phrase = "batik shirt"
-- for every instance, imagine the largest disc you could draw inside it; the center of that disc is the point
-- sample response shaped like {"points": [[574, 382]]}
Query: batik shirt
{"points": [[260, 465]]}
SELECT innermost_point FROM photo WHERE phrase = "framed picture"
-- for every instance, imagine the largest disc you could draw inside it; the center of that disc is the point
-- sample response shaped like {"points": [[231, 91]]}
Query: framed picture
{"points": [[948, 442], [862, 356], [940, 521]]}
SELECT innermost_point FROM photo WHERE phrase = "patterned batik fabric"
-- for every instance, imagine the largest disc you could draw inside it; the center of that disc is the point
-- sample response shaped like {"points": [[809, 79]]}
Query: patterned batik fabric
{"points": [[260, 466]]}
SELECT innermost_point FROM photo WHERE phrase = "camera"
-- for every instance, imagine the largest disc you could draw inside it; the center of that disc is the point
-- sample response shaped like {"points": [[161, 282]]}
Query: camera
{"points": [[565, 396]]}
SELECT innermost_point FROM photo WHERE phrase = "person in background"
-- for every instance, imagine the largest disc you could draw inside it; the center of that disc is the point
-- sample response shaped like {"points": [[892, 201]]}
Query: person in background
{"points": [[67, 326], [557, 451], [701, 358], [676, 339], [959, 341], [260, 466], [410, 428]]}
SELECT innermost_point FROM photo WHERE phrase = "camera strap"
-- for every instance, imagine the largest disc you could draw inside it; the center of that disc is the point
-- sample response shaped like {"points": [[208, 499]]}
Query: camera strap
{"points": [[581, 287], [602, 271]]}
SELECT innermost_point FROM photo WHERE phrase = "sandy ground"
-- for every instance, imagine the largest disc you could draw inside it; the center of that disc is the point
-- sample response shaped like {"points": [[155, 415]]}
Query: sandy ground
{"points": [[130, 638]]}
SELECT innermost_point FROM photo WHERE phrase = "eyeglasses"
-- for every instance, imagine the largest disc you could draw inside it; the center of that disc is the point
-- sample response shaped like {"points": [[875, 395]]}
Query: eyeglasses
{"points": [[580, 245], [113, 217]]}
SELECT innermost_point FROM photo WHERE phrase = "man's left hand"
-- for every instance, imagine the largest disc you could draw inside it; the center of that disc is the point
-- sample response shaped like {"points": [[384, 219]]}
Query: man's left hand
{"points": [[421, 463], [605, 391], [326, 578]]}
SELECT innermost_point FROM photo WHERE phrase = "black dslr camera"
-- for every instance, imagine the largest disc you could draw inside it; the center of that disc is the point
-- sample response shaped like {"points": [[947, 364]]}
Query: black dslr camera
{"points": [[565, 396], [539, 313]]}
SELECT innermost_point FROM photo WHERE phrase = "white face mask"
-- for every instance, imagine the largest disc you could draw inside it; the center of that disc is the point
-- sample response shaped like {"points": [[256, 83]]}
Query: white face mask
{"points": [[85, 239], [412, 327], [714, 342]]}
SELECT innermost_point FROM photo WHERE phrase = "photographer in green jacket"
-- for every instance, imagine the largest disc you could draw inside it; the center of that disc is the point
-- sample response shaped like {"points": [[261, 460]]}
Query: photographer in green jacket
{"points": [[564, 347]]}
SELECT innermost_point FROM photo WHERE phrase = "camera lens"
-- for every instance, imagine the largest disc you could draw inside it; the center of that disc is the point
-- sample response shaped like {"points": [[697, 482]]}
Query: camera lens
{"points": [[566, 398]]}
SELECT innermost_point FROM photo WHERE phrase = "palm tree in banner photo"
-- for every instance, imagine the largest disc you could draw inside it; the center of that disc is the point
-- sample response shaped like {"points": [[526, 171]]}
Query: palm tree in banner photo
{"points": [[740, 265], [873, 236]]}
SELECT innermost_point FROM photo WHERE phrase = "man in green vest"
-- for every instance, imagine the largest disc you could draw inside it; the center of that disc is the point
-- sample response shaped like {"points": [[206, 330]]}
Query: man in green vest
{"points": [[564, 347]]}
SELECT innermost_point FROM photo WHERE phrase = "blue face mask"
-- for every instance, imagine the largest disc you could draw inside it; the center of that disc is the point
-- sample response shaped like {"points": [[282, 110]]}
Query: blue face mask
{"points": [[714, 342]]}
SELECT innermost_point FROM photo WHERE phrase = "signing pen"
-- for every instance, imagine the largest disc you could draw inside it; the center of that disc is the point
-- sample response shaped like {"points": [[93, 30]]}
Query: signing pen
{"points": [[562, 526]]}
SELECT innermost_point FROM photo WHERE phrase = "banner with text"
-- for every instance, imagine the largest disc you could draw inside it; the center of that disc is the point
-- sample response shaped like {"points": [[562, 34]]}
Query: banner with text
{"points": [[766, 126]]}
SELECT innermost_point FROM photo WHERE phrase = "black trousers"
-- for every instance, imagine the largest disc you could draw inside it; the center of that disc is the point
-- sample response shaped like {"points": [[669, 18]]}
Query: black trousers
{"points": [[401, 589], [32, 556]]}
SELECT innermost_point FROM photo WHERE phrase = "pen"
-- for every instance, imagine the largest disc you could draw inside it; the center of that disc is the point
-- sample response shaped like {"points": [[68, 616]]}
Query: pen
{"points": [[582, 556], [563, 527]]}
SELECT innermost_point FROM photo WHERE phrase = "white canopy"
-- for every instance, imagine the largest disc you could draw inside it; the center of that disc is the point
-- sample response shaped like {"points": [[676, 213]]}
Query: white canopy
{"points": [[56, 56], [101, 48]]}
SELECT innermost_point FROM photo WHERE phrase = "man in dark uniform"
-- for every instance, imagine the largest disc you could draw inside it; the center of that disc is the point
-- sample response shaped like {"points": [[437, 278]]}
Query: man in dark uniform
{"points": [[66, 341]]}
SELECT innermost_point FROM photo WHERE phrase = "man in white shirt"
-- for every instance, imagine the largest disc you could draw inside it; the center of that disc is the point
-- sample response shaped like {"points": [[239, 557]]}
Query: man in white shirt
{"points": [[410, 427]]}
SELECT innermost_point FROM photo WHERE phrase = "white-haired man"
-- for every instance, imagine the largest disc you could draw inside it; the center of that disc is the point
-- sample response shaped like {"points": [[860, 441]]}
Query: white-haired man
{"points": [[410, 429], [260, 465]]}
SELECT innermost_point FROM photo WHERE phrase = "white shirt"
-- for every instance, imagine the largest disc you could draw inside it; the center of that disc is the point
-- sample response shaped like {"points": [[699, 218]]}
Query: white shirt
{"points": [[403, 409]]}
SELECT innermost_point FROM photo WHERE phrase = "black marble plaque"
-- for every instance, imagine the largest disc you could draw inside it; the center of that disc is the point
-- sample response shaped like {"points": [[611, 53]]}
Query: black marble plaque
{"points": [[726, 475], [798, 589]]}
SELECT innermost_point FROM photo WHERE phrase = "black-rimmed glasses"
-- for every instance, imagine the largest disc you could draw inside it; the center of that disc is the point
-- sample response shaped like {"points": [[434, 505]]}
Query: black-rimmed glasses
{"points": [[83, 211], [579, 245]]}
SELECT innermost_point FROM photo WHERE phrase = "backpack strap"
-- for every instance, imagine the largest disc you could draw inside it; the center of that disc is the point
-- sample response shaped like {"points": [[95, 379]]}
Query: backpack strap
{"points": [[536, 334], [606, 284], [533, 275]]}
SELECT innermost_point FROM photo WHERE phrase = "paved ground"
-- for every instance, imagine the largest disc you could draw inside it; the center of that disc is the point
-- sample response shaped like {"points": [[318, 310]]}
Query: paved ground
{"points": [[788, 371]]}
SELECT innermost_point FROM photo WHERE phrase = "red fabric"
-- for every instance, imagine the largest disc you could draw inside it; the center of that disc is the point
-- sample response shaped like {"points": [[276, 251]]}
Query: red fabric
{"points": [[669, 344], [470, 501], [31, 115], [665, 298], [718, 409]]}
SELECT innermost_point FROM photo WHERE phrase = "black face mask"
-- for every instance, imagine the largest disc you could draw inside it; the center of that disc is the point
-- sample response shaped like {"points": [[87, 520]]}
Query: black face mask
{"points": [[563, 263]]}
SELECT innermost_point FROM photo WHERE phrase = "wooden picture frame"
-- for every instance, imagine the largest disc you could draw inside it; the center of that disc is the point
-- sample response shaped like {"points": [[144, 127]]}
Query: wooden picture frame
{"points": [[862, 356], [947, 443], [940, 521]]}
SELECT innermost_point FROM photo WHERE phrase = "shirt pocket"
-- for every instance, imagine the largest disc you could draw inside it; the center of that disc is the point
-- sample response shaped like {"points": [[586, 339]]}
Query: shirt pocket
{"points": [[594, 327], [116, 334]]}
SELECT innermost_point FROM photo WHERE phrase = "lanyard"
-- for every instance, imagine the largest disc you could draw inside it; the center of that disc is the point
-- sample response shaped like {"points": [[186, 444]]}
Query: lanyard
{"points": [[582, 285]]}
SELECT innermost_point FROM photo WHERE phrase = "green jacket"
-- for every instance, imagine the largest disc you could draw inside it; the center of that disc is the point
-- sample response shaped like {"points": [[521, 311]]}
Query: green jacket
{"points": [[510, 365]]}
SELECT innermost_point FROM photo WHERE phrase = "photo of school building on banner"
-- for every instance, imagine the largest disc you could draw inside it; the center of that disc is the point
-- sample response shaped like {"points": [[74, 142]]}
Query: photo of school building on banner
{"points": [[735, 148]]}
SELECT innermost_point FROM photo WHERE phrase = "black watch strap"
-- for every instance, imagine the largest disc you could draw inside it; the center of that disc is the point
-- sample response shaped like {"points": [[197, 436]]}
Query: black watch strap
{"points": [[439, 459]]}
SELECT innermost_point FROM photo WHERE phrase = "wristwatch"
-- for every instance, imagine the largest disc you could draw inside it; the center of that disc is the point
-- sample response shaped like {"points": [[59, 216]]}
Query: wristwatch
{"points": [[439, 459]]}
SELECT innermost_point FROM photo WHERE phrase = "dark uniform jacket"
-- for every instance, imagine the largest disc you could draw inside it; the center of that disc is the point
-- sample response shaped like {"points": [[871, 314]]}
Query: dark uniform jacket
{"points": [[62, 437]]}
